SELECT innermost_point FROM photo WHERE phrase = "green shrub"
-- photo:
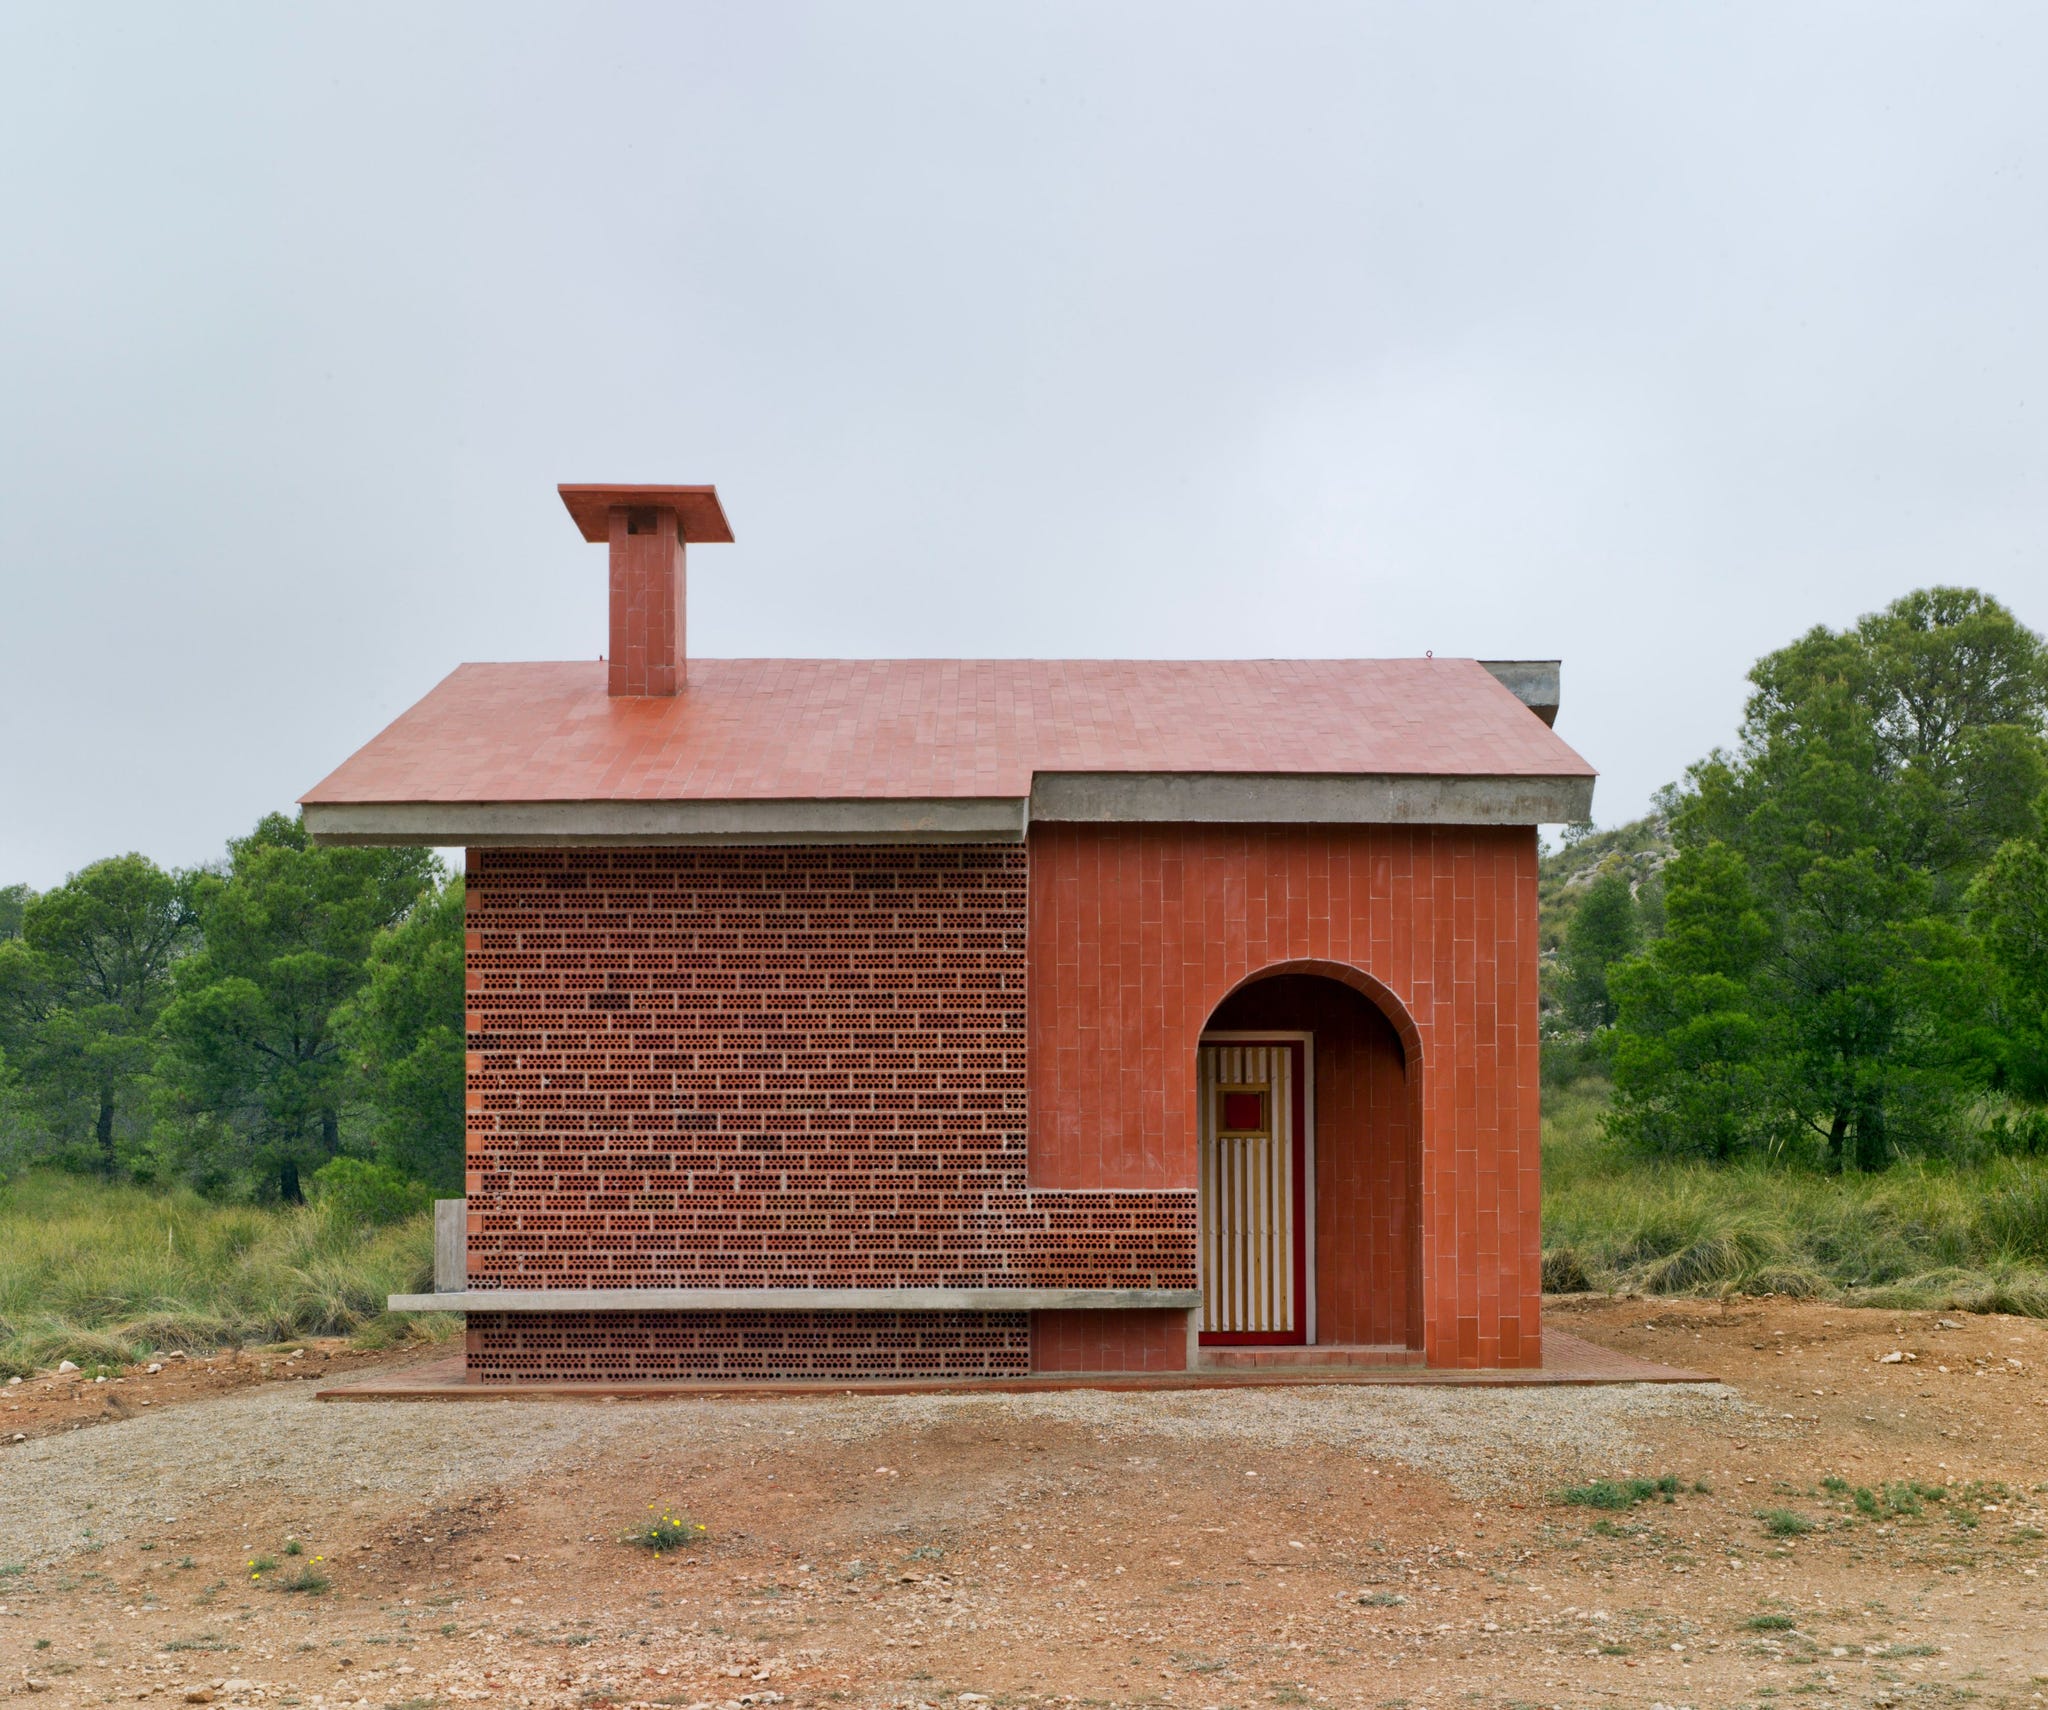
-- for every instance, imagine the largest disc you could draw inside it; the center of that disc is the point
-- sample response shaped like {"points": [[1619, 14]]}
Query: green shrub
{"points": [[1783, 1523], [358, 1191], [1619, 1493]]}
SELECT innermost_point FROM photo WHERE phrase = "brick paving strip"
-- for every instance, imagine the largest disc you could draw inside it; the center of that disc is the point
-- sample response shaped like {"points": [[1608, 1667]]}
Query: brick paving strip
{"points": [[1567, 1359]]}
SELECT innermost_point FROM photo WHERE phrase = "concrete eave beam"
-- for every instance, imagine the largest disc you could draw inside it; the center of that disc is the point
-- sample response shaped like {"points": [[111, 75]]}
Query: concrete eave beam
{"points": [[1536, 683], [1094, 798]]}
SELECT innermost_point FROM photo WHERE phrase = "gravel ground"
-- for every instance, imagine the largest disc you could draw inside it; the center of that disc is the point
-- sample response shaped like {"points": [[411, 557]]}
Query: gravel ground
{"points": [[144, 1473], [1479, 1440]]}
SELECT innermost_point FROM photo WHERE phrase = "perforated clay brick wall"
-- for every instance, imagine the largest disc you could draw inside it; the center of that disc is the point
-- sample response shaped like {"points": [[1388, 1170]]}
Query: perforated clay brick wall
{"points": [[634, 1347], [784, 1067]]}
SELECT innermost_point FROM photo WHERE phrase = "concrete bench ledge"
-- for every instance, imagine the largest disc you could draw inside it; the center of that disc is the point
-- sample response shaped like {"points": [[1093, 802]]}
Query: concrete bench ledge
{"points": [[795, 1299]]}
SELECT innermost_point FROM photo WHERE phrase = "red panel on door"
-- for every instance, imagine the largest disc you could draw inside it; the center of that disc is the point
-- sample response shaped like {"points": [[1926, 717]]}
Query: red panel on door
{"points": [[1244, 1112]]}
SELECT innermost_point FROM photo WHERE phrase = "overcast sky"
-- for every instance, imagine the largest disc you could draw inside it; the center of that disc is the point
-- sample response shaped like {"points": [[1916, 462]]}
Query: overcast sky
{"points": [[1641, 335]]}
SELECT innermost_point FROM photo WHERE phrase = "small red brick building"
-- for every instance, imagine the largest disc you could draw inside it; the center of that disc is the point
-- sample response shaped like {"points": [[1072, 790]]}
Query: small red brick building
{"points": [[981, 1018]]}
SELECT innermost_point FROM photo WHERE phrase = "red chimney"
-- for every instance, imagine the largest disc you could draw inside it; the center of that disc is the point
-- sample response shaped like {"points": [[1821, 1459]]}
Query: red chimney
{"points": [[647, 527]]}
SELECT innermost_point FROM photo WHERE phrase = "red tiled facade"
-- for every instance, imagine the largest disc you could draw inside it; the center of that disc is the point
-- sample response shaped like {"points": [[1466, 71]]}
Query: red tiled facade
{"points": [[1138, 1341], [1138, 933], [972, 1066]]}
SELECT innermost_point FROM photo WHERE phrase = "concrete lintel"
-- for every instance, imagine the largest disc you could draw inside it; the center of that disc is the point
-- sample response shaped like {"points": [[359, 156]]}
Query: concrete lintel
{"points": [[795, 1299], [531, 825], [1289, 799]]}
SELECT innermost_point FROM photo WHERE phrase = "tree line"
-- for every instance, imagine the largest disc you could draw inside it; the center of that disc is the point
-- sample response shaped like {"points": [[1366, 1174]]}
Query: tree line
{"points": [[1845, 960], [239, 1026]]}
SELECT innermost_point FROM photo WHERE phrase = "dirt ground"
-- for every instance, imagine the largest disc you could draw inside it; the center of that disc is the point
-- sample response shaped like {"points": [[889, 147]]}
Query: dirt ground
{"points": [[1844, 1525], [69, 1401]]}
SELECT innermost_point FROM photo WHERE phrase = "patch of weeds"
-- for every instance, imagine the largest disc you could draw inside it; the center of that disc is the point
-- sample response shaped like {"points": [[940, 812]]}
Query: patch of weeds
{"points": [[1608, 1529], [309, 1579], [1198, 1665], [579, 1638], [205, 1642], [212, 1591], [42, 1644], [261, 1565], [1909, 1498], [1614, 1650], [664, 1533], [292, 1547], [1770, 1623], [1835, 1485], [184, 1562], [1619, 1493], [1383, 1600], [447, 1629], [1783, 1523], [148, 1546]]}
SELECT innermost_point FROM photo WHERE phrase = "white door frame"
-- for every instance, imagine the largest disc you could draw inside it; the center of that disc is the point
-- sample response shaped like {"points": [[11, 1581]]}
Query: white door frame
{"points": [[1307, 1041]]}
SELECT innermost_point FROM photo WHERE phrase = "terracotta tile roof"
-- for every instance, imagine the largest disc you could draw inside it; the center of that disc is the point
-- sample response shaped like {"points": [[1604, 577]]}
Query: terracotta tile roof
{"points": [[770, 729]]}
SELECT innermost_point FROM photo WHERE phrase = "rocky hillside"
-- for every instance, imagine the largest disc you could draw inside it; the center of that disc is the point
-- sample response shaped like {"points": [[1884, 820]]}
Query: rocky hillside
{"points": [[1639, 848]]}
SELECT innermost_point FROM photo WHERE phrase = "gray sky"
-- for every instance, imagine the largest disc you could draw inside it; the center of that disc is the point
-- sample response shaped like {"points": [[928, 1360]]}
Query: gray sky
{"points": [[1641, 335]]}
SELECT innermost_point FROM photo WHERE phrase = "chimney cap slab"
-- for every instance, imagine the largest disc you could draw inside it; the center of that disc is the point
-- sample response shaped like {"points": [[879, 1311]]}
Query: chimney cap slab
{"points": [[699, 515]]}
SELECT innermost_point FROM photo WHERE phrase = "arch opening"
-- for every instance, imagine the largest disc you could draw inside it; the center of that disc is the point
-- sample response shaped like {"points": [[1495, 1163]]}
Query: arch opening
{"points": [[1359, 1223]]}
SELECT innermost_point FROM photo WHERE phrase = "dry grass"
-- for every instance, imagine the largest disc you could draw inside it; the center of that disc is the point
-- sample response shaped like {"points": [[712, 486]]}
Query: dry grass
{"points": [[1919, 1235], [106, 1274]]}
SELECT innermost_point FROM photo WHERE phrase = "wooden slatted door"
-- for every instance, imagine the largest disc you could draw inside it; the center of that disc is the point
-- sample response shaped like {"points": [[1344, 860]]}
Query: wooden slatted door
{"points": [[1253, 1200]]}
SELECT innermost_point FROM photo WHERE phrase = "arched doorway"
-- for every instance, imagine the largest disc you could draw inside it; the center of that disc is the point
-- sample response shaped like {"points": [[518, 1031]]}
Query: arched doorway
{"points": [[1308, 1110]]}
